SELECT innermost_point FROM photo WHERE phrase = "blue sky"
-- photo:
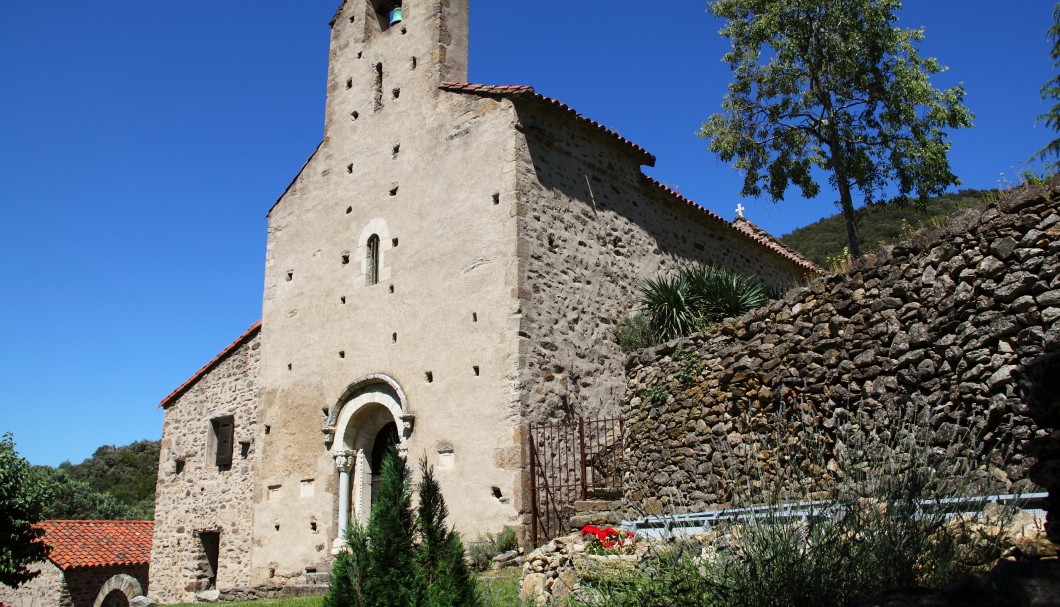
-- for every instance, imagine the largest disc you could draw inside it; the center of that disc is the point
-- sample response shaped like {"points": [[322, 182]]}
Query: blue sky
{"points": [[142, 144]]}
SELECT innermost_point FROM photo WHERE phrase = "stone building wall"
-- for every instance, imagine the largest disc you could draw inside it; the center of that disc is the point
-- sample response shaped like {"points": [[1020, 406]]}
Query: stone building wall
{"points": [[592, 228], [45, 590], [428, 173], [77, 587], [936, 324], [83, 584], [193, 494]]}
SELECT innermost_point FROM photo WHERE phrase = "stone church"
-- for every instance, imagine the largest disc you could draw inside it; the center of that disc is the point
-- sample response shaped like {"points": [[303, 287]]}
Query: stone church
{"points": [[449, 265]]}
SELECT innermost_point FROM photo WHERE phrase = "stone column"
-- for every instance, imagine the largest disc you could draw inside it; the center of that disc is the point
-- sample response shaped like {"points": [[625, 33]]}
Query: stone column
{"points": [[364, 477], [343, 462]]}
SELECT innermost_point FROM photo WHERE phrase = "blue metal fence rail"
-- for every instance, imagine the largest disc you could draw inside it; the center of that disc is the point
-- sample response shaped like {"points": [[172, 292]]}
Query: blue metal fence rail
{"points": [[676, 525]]}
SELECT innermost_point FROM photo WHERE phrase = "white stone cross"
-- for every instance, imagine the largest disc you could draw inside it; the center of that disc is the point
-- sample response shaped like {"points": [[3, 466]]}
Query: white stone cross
{"points": [[740, 209]]}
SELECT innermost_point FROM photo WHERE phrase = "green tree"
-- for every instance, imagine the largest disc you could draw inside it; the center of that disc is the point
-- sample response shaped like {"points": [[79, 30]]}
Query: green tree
{"points": [[445, 578], [378, 566], [833, 86], [391, 529], [21, 501], [1051, 90], [349, 571], [76, 500], [381, 566]]}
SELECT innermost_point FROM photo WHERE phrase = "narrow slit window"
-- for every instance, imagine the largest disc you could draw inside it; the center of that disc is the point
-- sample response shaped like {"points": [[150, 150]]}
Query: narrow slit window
{"points": [[378, 86], [372, 261]]}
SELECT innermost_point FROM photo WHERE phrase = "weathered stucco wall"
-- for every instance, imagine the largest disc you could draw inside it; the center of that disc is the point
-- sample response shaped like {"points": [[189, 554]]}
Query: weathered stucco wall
{"points": [[201, 496], [429, 173], [937, 324], [584, 252]]}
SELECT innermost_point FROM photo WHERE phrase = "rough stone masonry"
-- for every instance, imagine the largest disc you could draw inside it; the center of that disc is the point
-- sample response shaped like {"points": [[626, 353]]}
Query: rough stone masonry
{"points": [[936, 324]]}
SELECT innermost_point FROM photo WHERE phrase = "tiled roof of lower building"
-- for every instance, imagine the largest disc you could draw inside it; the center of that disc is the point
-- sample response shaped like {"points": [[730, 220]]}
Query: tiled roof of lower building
{"points": [[98, 543]]}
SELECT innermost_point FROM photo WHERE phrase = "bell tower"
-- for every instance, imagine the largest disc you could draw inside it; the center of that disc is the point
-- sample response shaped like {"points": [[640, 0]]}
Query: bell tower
{"points": [[385, 50]]}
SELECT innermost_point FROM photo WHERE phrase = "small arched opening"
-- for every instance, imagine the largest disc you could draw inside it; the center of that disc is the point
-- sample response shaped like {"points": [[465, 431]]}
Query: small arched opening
{"points": [[115, 598], [372, 418], [386, 439]]}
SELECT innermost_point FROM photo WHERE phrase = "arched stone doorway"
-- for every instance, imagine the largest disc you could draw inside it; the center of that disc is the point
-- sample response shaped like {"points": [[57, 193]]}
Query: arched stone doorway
{"points": [[118, 591], [371, 415]]}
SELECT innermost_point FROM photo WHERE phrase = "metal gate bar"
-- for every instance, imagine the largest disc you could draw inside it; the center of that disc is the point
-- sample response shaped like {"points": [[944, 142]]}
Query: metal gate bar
{"points": [[572, 461]]}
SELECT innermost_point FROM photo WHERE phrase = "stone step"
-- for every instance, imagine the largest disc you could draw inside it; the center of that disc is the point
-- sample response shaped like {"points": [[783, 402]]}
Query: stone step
{"points": [[319, 577], [304, 590]]}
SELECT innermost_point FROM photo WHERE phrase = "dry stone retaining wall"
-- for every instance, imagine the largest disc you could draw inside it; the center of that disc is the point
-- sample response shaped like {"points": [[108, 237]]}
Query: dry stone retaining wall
{"points": [[936, 324]]}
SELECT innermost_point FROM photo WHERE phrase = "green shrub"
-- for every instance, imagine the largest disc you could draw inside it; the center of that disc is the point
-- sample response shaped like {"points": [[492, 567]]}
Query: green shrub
{"points": [[634, 333], [672, 577], [873, 515], [489, 545], [696, 297], [444, 577], [382, 566]]}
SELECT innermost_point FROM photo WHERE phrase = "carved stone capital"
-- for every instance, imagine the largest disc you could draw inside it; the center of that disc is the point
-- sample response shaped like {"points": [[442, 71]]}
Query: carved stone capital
{"points": [[344, 460], [408, 420]]}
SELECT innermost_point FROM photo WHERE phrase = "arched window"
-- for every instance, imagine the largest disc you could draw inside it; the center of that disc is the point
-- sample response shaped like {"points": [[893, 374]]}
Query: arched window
{"points": [[372, 258]]}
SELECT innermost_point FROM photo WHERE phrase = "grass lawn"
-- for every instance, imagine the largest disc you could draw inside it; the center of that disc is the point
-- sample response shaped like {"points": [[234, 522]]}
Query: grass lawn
{"points": [[499, 589]]}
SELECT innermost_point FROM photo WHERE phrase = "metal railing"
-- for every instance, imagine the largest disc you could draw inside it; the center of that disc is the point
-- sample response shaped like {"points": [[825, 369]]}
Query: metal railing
{"points": [[661, 527], [569, 462]]}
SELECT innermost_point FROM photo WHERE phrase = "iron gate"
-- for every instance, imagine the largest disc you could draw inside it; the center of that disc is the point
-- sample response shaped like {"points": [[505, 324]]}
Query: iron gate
{"points": [[571, 461]]}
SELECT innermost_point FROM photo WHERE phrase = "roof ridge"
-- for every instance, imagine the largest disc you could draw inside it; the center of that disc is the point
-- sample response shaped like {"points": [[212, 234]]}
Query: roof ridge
{"points": [[182, 388], [528, 92], [755, 234]]}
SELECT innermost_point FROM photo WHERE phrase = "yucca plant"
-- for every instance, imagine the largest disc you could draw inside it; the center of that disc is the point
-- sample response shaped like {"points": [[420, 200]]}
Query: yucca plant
{"points": [[696, 297]]}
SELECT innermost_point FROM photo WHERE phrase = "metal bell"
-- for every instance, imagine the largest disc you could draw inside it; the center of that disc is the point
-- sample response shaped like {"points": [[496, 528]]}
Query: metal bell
{"points": [[395, 15]]}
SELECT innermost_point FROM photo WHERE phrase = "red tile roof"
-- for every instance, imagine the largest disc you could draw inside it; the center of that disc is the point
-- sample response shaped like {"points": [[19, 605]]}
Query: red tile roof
{"points": [[98, 543], [216, 360], [522, 92]]}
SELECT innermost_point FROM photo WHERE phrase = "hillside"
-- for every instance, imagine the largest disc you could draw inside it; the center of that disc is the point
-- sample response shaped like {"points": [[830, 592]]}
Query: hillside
{"points": [[880, 224], [115, 483]]}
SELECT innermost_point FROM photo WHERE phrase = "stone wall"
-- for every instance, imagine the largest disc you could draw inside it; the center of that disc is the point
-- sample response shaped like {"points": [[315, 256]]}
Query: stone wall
{"points": [[42, 591], [592, 227], [78, 587], [193, 494], [936, 324], [84, 584]]}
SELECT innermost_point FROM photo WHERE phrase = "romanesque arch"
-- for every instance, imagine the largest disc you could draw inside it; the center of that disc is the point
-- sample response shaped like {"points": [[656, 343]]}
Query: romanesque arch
{"points": [[121, 584], [360, 418]]}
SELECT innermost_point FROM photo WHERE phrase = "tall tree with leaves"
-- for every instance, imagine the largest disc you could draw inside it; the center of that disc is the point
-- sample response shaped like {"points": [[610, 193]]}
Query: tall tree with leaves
{"points": [[1051, 90], [445, 578], [21, 502], [833, 86]]}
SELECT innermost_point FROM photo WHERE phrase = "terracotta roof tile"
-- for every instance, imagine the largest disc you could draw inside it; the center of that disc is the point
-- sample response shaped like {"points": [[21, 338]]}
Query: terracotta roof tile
{"points": [[98, 543], [216, 360], [517, 91]]}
